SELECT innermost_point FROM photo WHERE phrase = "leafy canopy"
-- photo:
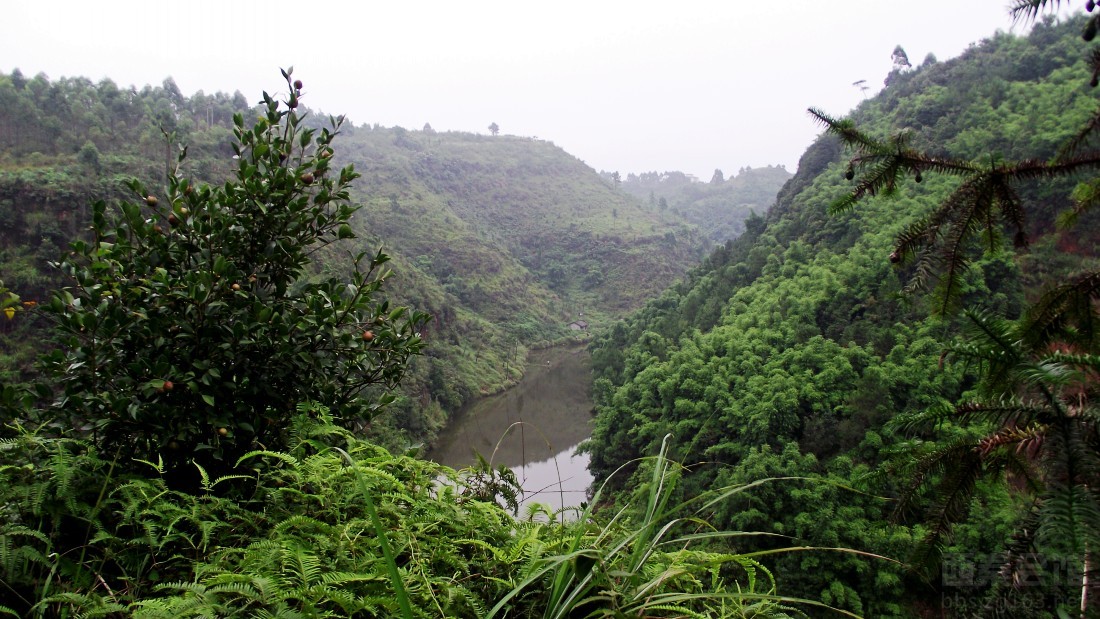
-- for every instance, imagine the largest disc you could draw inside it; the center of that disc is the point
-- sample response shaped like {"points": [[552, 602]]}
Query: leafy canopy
{"points": [[1033, 413]]}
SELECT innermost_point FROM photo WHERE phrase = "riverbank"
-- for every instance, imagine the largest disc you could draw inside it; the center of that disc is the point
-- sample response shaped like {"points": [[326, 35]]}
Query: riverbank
{"points": [[533, 427]]}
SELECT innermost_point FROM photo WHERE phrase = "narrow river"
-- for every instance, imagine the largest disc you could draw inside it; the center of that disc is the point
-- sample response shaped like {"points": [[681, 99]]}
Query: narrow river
{"points": [[533, 428]]}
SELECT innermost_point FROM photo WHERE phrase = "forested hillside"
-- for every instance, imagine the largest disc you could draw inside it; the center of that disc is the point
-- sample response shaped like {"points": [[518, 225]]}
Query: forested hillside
{"points": [[721, 206], [191, 446], [506, 240], [503, 240], [791, 349]]}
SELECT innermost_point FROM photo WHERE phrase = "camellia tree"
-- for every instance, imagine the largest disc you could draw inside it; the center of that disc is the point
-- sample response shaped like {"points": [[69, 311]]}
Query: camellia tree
{"points": [[191, 328]]}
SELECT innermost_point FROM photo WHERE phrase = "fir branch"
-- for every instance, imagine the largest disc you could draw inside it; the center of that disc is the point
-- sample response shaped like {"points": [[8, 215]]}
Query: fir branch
{"points": [[1066, 312], [1027, 10], [846, 130]]}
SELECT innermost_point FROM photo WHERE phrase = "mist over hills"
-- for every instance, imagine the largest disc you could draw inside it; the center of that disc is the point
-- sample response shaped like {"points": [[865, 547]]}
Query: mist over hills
{"points": [[718, 207]]}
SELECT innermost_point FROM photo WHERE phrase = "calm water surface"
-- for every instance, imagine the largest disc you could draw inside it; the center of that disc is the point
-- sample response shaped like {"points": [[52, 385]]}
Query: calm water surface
{"points": [[533, 428]]}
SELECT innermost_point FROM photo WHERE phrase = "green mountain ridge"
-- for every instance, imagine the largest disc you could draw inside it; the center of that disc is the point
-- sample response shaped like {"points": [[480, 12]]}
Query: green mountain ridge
{"points": [[721, 206]]}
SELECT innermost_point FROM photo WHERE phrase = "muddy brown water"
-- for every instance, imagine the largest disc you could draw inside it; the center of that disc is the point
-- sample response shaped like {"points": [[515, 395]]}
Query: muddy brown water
{"points": [[533, 428]]}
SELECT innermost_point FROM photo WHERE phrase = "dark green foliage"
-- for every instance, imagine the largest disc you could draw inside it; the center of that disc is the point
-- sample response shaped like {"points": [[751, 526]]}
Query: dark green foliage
{"points": [[189, 327], [790, 350], [73, 522], [68, 143], [485, 483], [1032, 416], [81, 537]]}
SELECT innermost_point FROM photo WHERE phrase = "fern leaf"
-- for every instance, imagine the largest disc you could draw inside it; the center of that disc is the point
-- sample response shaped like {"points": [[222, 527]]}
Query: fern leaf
{"points": [[286, 458]]}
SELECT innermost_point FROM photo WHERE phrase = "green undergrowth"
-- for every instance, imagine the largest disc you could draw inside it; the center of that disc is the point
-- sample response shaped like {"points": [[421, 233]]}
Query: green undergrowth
{"points": [[338, 527]]}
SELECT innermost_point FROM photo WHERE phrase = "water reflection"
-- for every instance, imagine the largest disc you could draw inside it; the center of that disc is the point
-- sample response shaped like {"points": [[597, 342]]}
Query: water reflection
{"points": [[533, 428]]}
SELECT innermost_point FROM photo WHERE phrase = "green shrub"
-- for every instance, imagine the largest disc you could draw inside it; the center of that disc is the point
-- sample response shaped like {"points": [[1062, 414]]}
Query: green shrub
{"points": [[190, 327]]}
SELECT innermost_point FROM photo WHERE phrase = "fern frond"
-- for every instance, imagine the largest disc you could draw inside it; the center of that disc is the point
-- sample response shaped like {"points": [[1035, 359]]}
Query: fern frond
{"points": [[205, 477], [340, 578], [285, 458], [301, 522], [237, 588], [303, 566]]}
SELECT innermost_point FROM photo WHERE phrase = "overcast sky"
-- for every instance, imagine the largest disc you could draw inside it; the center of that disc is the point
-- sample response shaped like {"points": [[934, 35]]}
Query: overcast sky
{"points": [[628, 86]]}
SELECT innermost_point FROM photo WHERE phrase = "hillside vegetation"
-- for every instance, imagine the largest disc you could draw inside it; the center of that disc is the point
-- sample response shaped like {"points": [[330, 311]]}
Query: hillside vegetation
{"points": [[503, 240], [721, 206], [793, 350], [190, 447]]}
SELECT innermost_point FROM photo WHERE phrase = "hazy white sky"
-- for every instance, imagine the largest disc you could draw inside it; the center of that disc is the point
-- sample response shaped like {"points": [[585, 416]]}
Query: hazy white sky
{"points": [[631, 86]]}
